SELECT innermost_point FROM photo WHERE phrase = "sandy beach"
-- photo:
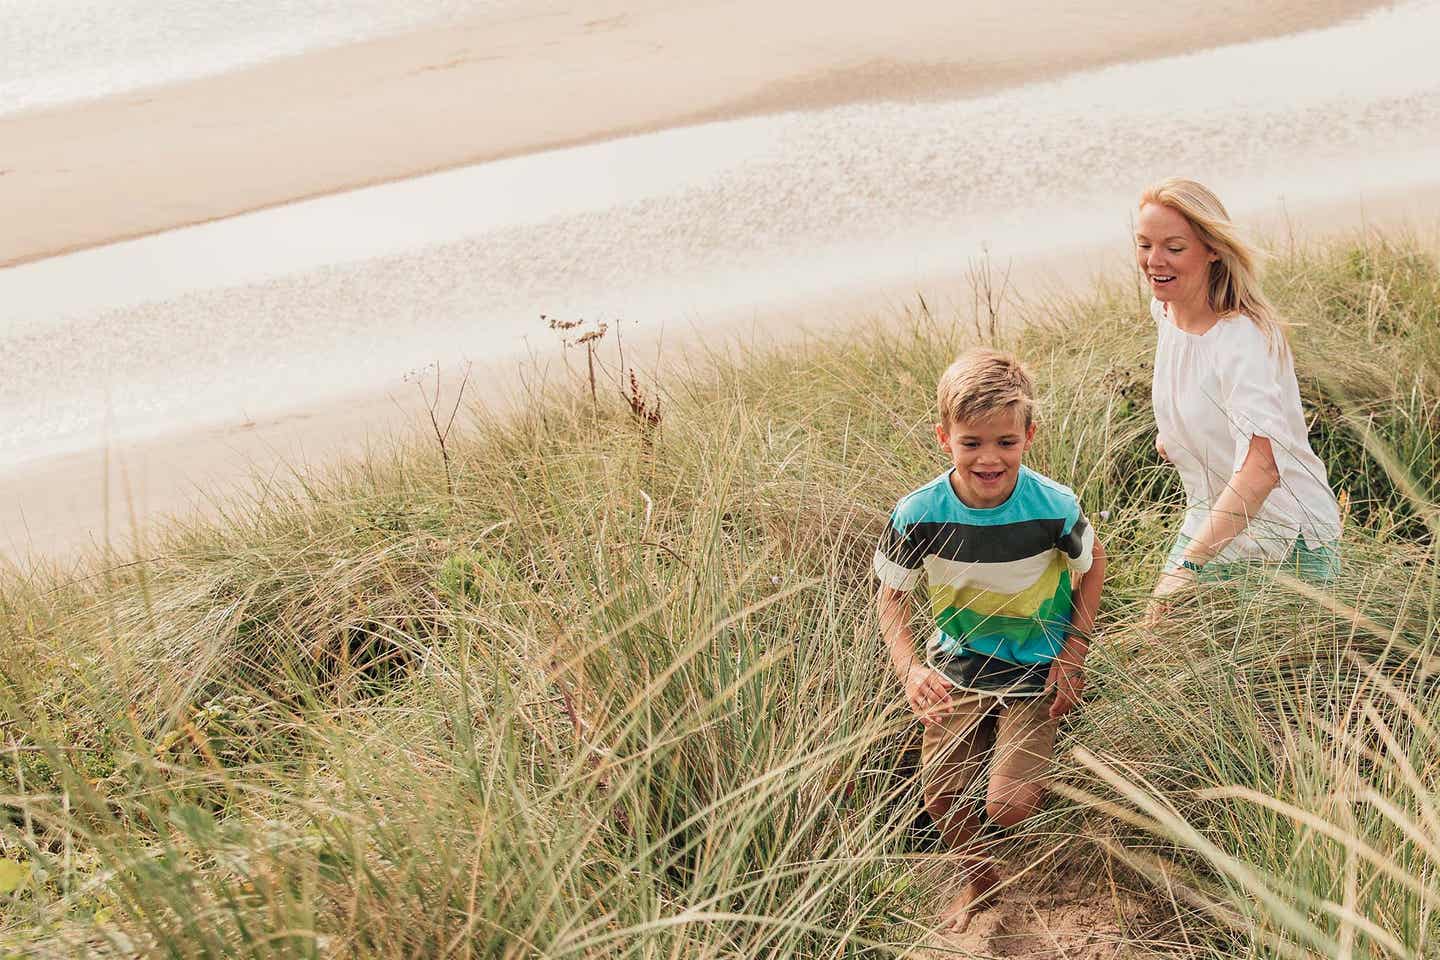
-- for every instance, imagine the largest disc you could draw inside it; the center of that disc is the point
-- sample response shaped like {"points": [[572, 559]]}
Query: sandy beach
{"points": [[338, 119], [137, 164]]}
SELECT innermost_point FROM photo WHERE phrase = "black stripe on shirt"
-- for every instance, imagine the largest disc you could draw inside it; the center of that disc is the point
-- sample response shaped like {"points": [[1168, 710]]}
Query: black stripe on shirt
{"points": [[972, 543], [1074, 541], [987, 674]]}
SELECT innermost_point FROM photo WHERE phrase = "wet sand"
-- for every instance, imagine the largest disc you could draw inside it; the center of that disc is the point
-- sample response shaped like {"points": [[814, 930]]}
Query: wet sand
{"points": [[338, 119]]}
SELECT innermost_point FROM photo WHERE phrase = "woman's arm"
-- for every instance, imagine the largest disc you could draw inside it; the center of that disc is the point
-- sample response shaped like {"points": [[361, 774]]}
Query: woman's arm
{"points": [[1238, 502]]}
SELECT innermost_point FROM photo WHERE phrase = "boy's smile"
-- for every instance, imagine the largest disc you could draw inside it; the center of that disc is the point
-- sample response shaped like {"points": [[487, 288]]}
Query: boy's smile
{"points": [[986, 455]]}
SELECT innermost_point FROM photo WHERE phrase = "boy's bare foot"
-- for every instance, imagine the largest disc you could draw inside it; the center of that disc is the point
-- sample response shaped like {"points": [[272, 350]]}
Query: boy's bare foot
{"points": [[974, 898]]}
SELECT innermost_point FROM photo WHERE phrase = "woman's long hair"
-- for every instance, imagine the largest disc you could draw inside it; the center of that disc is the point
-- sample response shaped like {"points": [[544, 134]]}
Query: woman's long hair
{"points": [[1234, 287]]}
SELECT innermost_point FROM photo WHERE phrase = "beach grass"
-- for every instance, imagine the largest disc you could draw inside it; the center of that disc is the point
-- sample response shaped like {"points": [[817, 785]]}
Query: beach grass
{"points": [[605, 680]]}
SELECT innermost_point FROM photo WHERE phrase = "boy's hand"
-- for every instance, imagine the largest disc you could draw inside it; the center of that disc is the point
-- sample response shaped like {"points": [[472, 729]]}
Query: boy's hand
{"points": [[1066, 681], [927, 692]]}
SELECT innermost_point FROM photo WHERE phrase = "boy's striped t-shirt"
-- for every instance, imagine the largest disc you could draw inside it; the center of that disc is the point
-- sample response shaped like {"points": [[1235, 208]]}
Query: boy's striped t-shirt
{"points": [[998, 580]]}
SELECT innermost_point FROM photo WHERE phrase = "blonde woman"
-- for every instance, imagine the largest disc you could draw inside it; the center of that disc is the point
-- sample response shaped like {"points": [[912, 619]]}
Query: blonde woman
{"points": [[1227, 405]]}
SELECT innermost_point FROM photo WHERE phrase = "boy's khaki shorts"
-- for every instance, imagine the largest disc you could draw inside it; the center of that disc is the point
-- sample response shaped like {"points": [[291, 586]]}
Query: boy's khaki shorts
{"points": [[1018, 730]]}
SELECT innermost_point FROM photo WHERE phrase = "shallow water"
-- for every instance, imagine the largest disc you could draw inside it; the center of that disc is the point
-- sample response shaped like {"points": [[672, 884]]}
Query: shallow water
{"points": [[61, 50], [278, 309]]}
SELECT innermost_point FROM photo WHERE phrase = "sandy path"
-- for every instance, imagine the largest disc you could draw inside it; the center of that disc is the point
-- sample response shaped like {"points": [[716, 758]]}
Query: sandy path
{"points": [[1051, 920], [328, 121]]}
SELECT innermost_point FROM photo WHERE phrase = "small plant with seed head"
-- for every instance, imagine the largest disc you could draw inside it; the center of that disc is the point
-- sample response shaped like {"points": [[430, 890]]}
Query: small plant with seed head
{"points": [[588, 340], [645, 412]]}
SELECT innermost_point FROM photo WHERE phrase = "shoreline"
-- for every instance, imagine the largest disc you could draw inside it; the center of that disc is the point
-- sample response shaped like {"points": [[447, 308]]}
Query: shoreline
{"points": [[143, 162]]}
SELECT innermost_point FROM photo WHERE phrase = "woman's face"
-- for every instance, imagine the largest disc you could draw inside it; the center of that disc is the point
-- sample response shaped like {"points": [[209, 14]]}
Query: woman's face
{"points": [[1172, 257]]}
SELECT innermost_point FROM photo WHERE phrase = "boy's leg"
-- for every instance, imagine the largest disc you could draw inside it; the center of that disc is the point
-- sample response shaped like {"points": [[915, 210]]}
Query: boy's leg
{"points": [[1024, 738], [953, 757], [1020, 770]]}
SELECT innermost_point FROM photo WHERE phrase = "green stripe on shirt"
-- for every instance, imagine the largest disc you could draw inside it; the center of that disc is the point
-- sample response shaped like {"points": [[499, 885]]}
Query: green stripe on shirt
{"points": [[1032, 639]]}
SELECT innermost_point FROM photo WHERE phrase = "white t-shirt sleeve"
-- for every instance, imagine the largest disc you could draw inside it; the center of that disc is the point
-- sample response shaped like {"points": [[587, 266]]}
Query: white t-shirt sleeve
{"points": [[899, 559], [1157, 311], [1254, 400], [1077, 542], [1076, 539]]}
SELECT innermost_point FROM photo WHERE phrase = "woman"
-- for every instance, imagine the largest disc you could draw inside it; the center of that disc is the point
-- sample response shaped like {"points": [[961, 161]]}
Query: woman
{"points": [[1227, 406]]}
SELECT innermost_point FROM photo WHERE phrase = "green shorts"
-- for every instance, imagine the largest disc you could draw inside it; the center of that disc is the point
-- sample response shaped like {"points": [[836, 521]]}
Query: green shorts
{"points": [[1314, 564]]}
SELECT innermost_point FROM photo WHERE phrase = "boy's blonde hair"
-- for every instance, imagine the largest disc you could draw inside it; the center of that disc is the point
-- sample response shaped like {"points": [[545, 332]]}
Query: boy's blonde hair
{"points": [[981, 383]]}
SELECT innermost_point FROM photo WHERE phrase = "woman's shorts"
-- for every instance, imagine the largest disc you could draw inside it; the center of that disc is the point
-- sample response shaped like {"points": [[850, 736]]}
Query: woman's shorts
{"points": [[1314, 564]]}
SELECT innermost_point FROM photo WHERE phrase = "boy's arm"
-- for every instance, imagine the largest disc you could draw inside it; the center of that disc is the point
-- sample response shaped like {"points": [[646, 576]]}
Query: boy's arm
{"points": [[924, 688], [1067, 671]]}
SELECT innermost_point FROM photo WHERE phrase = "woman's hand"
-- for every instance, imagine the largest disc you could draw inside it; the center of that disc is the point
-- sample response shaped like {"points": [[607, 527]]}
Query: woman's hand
{"points": [[1160, 448], [1173, 581], [927, 692], [1170, 583]]}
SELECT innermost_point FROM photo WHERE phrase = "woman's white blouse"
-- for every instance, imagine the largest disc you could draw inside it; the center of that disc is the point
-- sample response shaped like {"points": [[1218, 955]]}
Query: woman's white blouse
{"points": [[1212, 392]]}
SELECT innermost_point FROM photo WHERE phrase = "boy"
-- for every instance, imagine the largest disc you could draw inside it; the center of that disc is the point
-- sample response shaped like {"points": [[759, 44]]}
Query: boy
{"points": [[1000, 547]]}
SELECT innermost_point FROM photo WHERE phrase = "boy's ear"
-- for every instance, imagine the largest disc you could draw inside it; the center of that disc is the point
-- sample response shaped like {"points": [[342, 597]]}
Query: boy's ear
{"points": [[942, 436], [1030, 433]]}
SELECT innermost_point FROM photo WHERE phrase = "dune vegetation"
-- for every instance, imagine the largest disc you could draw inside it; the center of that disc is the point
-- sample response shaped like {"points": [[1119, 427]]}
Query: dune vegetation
{"points": [[605, 679]]}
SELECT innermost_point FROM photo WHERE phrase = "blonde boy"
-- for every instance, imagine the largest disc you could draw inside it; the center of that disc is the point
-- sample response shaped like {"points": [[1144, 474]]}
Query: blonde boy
{"points": [[1013, 575]]}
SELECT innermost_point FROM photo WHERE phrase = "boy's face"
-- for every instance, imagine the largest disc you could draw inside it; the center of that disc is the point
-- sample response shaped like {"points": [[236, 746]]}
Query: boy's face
{"points": [[986, 454]]}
